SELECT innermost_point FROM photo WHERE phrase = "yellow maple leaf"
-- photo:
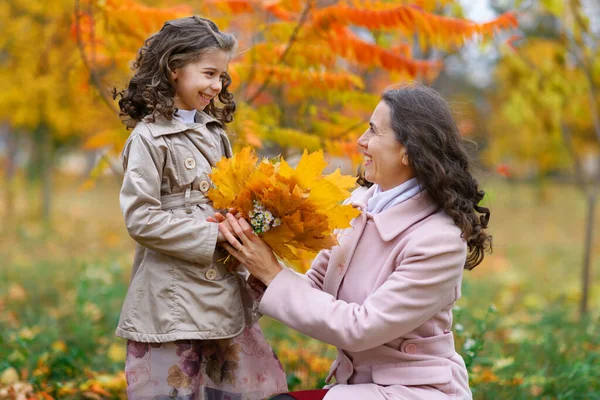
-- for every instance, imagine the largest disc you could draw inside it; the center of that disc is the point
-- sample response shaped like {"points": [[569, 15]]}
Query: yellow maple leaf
{"points": [[310, 168], [341, 181]]}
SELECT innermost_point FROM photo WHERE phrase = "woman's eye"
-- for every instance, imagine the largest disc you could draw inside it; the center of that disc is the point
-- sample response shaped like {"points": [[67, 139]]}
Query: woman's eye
{"points": [[209, 73]]}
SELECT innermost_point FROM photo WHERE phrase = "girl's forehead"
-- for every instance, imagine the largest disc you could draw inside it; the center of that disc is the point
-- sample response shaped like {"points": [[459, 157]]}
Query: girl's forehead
{"points": [[216, 58]]}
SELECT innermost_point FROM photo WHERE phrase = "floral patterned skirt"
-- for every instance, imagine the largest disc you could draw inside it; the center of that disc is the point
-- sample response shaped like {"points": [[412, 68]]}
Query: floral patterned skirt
{"points": [[241, 368]]}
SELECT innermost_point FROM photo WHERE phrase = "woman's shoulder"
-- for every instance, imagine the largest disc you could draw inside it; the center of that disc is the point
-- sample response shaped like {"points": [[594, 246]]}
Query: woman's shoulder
{"points": [[438, 227]]}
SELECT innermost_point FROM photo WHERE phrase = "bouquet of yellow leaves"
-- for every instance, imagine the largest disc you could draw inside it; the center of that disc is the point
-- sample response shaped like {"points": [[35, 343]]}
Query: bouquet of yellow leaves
{"points": [[294, 210]]}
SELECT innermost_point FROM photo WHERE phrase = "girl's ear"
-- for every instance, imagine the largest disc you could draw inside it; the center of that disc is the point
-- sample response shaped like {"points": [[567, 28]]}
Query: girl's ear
{"points": [[174, 74]]}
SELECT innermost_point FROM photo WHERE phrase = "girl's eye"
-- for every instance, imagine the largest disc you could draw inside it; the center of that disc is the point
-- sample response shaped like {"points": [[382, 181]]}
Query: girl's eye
{"points": [[209, 73]]}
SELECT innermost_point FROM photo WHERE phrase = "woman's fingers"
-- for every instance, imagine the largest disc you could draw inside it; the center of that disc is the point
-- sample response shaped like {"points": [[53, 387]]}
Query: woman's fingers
{"points": [[237, 228], [217, 217], [229, 237], [246, 227], [231, 250]]}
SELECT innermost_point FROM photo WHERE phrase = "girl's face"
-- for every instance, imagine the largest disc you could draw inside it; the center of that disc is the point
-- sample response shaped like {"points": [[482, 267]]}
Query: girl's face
{"points": [[386, 162], [197, 83]]}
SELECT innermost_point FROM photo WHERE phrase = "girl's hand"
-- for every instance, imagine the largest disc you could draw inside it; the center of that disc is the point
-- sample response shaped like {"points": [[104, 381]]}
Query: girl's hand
{"points": [[249, 249]]}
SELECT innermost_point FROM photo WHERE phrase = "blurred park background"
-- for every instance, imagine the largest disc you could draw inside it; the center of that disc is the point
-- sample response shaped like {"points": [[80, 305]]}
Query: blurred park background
{"points": [[523, 78]]}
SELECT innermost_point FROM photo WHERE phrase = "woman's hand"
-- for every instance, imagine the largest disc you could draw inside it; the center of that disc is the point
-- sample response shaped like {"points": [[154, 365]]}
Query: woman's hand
{"points": [[249, 249], [220, 219]]}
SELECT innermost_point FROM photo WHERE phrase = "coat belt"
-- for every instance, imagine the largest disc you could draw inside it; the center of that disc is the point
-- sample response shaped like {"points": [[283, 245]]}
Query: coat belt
{"points": [[186, 199]]}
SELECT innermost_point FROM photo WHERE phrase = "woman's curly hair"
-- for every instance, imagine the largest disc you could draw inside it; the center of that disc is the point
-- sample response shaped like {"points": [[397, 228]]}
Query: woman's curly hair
{"points": [[178, 43], [423, 123]]}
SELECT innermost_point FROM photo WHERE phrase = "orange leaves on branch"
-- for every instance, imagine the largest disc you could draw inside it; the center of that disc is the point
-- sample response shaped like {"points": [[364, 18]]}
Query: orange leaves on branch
{"points": [[432, 29], [310, 79], [274, 8], [348, 45], [233, 6], [142, 18]]}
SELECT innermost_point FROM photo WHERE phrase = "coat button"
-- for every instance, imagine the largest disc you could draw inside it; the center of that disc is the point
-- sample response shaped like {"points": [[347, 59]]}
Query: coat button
{"points": [[204, 186], [211, 274], [410, 348], [190, 163]]}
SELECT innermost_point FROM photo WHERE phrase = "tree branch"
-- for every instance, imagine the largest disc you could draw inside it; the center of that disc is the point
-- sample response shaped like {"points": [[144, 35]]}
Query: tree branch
{"points": [[93, 76], [568, 139], [292, 40]]}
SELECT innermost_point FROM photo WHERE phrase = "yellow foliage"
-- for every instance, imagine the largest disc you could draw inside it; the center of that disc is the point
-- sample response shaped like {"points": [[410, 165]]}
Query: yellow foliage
{"points": [[540, 94], [306, 202]]}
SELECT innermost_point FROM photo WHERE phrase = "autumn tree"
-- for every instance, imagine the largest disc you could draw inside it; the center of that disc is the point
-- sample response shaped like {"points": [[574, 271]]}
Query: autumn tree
{"points": [[547, 110], [310, 72], [46, 91]]}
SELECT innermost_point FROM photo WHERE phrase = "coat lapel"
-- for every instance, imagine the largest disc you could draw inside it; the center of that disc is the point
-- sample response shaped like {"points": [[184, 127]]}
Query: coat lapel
{"points": [[395, 220], [389, 223]]}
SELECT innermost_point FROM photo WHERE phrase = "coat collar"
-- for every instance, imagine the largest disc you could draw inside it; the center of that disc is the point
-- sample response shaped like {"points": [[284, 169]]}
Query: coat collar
{"points": [[395, 220], [163, 126]]}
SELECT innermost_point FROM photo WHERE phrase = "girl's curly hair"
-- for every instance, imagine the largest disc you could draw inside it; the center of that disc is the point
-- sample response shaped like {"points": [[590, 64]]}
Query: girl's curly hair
{"points": [[178, 43], [423, 123]]}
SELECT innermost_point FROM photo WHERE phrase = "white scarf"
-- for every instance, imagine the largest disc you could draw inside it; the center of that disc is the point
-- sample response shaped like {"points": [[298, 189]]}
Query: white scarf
{"points": [[186, 116], [382, 200]]}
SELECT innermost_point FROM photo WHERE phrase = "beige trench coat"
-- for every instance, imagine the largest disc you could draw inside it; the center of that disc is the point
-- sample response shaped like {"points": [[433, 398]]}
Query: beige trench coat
{"points": [[179, 289]]}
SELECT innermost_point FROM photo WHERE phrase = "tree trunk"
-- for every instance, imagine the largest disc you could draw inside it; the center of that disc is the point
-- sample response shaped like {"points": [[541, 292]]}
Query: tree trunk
{"points": [[587, 253]]}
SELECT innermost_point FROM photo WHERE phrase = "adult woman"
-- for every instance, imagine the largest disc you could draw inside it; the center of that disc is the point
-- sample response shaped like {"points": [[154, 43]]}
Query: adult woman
{"points": [[384, 296]]}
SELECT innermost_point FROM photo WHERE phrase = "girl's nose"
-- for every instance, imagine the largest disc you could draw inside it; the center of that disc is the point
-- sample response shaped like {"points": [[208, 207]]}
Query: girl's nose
{"points": [[217, 85]]}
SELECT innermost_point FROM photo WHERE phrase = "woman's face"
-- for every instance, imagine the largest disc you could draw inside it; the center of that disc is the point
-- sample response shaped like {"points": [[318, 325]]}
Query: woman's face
{"points": [[197, 83], [386, 162]]}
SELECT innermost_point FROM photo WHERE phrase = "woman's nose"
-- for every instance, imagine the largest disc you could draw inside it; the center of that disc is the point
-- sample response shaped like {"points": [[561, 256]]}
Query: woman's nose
{"points": [[362, 140]]}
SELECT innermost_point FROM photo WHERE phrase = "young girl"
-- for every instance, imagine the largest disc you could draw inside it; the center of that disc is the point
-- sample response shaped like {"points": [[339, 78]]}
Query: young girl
{"points": [[189, 322]]}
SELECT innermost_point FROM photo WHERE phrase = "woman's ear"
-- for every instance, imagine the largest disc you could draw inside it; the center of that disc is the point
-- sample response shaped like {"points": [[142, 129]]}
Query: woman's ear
{"points": [[404, 157]]}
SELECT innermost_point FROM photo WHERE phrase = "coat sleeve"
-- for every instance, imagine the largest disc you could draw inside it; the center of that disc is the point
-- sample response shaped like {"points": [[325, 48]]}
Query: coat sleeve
{"points": [[316, 274], [422, 284], [187, 238]]}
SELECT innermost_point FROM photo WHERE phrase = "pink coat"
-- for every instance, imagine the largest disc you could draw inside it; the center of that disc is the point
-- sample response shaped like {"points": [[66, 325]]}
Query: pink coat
{"points": [[384, 298]]}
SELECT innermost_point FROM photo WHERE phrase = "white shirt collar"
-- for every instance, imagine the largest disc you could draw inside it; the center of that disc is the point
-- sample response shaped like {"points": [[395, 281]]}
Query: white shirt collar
{"points": [[186, 116], [383, 200]]}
